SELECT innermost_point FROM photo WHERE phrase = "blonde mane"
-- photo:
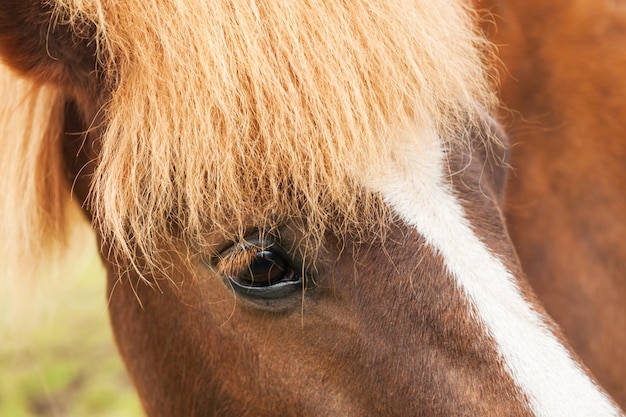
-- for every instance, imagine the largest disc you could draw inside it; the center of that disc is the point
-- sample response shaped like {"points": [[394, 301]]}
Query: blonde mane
{"points": [[34, 190], [227, 114]]}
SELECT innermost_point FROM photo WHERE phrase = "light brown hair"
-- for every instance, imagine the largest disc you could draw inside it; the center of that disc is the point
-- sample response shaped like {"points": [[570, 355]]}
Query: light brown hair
{"points": [[226, 114]]}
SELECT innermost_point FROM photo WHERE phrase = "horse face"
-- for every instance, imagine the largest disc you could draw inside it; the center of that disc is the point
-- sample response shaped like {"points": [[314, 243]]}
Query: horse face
{"points": [[432, 319], [371, 328]]}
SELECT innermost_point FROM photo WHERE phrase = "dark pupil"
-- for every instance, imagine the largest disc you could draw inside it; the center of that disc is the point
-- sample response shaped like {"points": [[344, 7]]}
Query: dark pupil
{"points": [[266, 268]]}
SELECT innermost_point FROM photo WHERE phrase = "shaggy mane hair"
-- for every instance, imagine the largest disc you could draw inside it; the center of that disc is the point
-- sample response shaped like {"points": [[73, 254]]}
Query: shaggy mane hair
{"points": [[32, 180], [223, 115]]}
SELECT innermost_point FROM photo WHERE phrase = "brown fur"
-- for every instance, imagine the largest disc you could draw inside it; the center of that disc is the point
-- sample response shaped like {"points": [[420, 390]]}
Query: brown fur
{"points": [[566, 199], [181, 126], [344, 352]]}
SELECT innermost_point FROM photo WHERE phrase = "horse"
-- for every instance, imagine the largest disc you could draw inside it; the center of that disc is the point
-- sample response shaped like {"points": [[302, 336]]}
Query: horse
{"points": [[304, 207], [566, 200]]}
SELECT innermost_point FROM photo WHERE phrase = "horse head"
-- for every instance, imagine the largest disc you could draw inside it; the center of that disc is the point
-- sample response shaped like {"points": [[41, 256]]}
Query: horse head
{"points": [[298, 205]]}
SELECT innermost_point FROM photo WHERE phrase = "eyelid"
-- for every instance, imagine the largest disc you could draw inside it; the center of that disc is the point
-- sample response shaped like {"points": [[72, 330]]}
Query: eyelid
{"points": [[236, 261], [234, 258], [224, 250]]}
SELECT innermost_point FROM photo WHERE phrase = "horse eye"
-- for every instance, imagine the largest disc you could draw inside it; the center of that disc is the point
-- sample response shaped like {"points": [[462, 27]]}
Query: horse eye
{"points": [[266, 268], [259, 269]]}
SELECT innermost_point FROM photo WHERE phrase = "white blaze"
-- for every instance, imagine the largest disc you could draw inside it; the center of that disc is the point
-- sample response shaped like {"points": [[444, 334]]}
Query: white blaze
{"points": [[418, 191]]}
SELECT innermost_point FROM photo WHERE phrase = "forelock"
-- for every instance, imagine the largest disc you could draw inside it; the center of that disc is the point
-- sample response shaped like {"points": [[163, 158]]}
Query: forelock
{"points": [[224, 115]]}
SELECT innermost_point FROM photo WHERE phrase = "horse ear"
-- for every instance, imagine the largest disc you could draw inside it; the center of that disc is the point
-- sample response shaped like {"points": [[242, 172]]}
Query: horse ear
{"points": [[38, 43]]}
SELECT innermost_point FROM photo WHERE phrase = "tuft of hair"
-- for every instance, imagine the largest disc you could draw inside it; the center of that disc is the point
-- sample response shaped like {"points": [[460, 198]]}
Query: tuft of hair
{"points": [[34, 188], [224, 115]]}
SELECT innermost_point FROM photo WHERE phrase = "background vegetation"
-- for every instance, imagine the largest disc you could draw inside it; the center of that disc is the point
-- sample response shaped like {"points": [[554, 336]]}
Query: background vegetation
{"points": [[57, 356]]}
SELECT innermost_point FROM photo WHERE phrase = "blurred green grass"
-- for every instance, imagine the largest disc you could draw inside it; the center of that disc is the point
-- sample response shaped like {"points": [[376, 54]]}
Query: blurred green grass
{"points": [[63, 363]]}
